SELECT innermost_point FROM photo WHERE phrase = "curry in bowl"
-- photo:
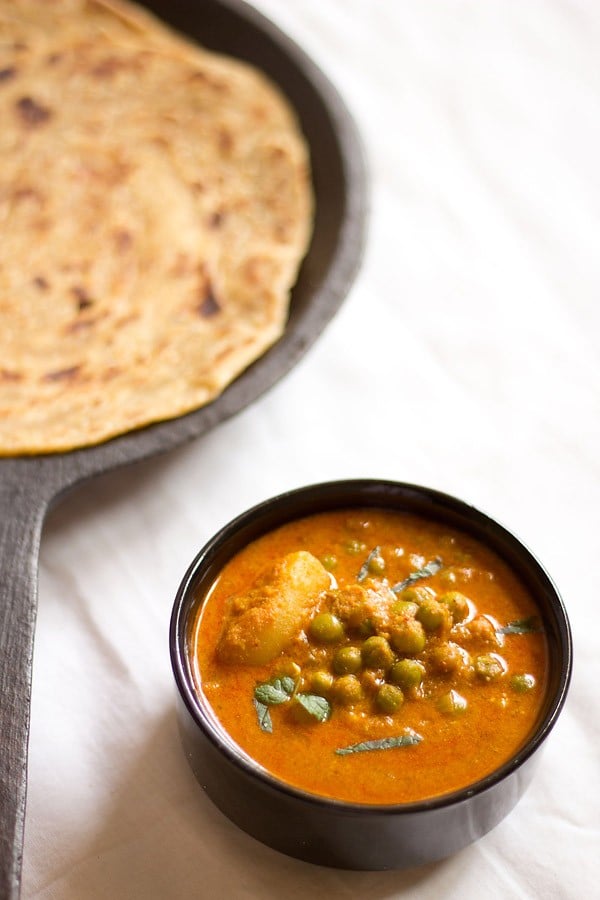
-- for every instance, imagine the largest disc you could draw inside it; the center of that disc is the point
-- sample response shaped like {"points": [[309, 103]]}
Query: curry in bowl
{"points": [[366, 672], [370, 655]]}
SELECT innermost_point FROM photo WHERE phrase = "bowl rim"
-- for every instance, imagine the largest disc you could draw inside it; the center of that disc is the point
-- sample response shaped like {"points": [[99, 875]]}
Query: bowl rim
{"points": [[218, 736]]}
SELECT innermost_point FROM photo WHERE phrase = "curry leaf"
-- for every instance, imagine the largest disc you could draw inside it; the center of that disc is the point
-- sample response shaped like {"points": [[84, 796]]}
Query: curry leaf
{"points": [[408, 739], [364, 569], [264, 716], [317, 707], [428, 569], [276, 691], [521, 626]]}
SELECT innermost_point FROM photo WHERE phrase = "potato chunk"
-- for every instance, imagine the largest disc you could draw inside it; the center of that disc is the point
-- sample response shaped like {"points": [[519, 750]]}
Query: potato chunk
{"points": [[359, 607], [269, 616]]}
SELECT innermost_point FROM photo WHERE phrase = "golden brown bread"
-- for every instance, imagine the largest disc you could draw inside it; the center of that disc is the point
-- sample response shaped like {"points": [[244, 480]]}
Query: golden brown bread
{"points": [[155, 205]]}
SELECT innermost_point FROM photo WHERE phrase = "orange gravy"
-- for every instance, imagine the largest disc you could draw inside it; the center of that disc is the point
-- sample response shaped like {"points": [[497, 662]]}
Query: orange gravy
{"points": [[456, 749]]}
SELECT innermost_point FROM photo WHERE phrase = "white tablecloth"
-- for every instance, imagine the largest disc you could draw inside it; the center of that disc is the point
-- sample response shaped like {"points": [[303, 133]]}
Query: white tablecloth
{"points": [[465, 358]]}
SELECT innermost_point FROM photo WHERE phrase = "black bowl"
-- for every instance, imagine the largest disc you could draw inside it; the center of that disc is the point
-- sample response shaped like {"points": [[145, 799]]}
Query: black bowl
{"points": [[337, 833]]}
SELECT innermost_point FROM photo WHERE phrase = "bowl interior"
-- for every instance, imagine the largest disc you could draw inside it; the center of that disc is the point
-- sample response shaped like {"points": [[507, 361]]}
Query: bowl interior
{"points": [[421, 501]]}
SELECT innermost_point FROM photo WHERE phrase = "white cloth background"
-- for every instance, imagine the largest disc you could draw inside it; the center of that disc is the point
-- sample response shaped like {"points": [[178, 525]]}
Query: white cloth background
{"points": [[465, 358]]}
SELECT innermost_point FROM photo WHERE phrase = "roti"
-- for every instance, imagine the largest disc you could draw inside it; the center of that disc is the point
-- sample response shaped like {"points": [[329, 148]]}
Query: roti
{"points": [[155, 206]]}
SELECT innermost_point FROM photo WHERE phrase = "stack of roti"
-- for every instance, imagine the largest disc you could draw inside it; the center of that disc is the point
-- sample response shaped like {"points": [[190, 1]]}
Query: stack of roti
{"points": [[155, 205]]}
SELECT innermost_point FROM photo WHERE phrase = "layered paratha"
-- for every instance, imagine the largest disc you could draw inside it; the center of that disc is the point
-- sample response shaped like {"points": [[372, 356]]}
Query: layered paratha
{"points": [[155, 206]]}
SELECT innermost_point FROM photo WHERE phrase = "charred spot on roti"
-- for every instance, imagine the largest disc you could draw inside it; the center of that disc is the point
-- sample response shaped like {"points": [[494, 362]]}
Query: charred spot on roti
{"points": [[7, 74], [256, 270], [65, 375], [123, 240], [225, 140], [260, 113], [114, 65], [82, 297], [41, 282], [10, 375], [216, 219], [111, 372], [107, 68], [82, 326], [41, 224], [27, 194], [217, 84], [31, 113], [209, 305]]}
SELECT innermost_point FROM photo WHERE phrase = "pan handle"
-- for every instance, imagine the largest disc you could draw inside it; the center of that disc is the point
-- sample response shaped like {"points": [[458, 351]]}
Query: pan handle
{"points": [[23, 504]]}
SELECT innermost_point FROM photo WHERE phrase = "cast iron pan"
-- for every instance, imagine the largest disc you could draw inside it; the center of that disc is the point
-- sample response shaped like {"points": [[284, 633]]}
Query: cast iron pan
{"points": [[29, 485]]}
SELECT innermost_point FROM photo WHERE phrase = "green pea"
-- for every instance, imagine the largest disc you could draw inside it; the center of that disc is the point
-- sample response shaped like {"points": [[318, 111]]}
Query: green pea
{"points": [[405, 608], [347, 661], [366, 628], [408, 637], [377, 565], [326, 628], [522, 683], [389, 698], [431, 614], [347, 690], [458, 605], [452, 704], [407, 673], [377, 653], [490, 667], [448, 657], [321, 683], [329, 561], [355, 547], [417, 594]]}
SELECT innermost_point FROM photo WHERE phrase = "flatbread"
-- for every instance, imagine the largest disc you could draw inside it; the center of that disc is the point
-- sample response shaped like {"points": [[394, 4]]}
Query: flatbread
{"points": [[155, 205]]}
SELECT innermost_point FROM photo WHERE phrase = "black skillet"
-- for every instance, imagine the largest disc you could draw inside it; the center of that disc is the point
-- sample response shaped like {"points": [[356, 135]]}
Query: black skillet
{"points": [[30, 485]]}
